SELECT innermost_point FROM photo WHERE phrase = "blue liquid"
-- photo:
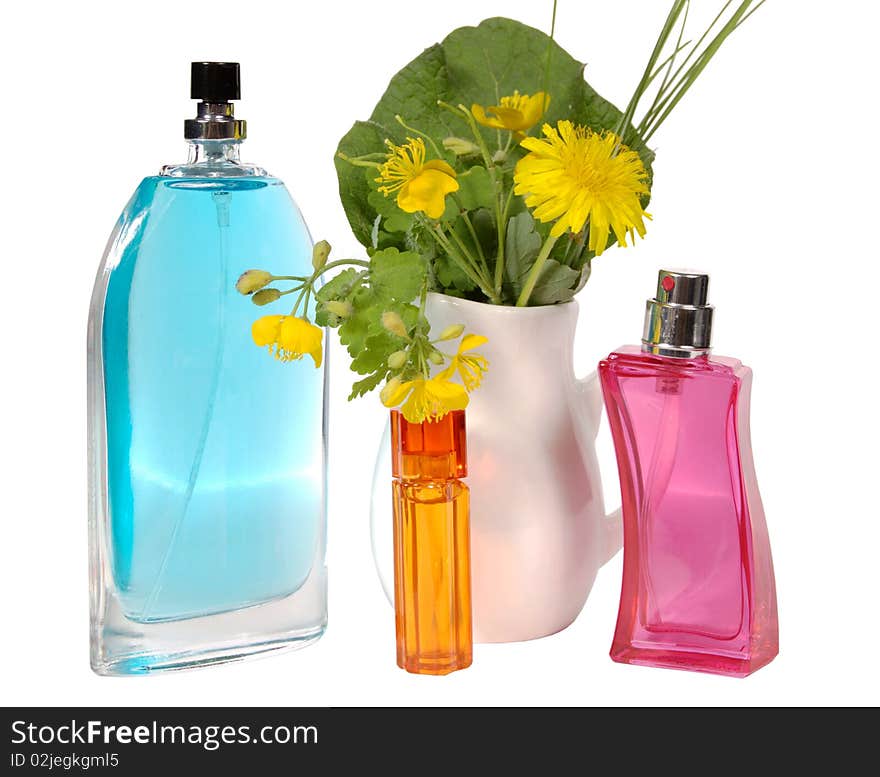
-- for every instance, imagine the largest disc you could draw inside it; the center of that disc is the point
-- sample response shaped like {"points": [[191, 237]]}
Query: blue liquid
{"points": [[214, 449]]}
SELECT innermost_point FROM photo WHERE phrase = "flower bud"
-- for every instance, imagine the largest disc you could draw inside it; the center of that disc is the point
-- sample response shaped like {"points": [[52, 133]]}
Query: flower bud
{"points": [[461, 146], [451, 332], [265, 296], [389, 390], [397, 359], [341, 309], [252, 280], [394, 324], [320, 253], [436, 357], [499, 157]]}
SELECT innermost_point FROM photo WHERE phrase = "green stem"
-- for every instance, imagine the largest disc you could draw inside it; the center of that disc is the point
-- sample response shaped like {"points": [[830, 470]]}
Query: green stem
{"points": [[467, 255], [532, 278], [663, 95], [502, 229], [687, 80], [360, 161], [549, 58], [481, 141], [760, 3], [473, 233], [658, 112], [668, 64], [399, 119], [499, 217], [306, 288], [668, 26], [298, 300], [441, 240], [339, 263]]}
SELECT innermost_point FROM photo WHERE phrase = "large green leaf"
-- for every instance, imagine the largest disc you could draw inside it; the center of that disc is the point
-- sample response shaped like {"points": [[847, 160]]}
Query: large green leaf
{"points": [[500, 55], [472, 65]]}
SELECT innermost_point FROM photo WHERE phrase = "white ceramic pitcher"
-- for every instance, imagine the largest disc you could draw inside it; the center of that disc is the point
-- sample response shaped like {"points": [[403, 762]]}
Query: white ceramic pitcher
{"points": [[539, 532]]}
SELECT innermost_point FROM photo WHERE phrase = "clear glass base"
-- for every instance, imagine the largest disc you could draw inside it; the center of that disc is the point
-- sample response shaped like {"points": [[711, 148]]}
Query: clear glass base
{"points": [[128, 647], [173, 662]]}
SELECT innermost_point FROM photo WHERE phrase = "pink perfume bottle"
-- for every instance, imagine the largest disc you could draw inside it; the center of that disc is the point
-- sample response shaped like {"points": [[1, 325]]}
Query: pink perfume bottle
{"points": [[698, 588]]}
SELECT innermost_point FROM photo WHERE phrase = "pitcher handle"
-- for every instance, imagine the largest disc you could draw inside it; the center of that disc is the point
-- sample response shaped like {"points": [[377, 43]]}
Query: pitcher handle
{"points": [[612, 526]]}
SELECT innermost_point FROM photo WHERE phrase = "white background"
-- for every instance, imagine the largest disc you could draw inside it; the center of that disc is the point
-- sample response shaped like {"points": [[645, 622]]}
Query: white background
{"points": [[766, 176]]}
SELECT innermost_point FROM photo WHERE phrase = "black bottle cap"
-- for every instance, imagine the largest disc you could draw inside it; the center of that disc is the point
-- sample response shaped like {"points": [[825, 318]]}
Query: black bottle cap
{"points": [[215, 82]]}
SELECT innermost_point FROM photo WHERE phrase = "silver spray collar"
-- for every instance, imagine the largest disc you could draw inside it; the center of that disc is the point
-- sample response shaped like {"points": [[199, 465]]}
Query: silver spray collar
{"points": [[678, 322]]}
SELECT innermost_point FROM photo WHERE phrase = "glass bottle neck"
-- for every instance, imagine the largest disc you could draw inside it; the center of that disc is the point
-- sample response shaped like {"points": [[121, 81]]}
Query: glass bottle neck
{"points": [[213, 159], [213, 152]]}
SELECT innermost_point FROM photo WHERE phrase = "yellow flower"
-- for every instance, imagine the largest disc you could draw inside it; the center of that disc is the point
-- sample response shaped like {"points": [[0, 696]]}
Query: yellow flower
{"points": [[289, 338], [420, 185], [573, 175], [517, 113], [423, 399], [470, 367]]}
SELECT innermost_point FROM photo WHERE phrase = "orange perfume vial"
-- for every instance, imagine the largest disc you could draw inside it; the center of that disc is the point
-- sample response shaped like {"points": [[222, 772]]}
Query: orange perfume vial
{"points": [[432, 574]]}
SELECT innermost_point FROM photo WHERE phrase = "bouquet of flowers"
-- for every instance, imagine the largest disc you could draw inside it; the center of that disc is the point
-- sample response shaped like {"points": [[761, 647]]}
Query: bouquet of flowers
{"points": [[489, 170]]}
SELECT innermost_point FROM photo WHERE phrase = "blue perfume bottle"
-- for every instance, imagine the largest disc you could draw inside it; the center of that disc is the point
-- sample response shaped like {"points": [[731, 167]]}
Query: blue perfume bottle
{"points": [[206, 456]]}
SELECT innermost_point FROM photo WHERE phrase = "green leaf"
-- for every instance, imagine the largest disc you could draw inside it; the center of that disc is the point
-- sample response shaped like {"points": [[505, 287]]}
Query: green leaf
{"points": [[501, 55], [556, 283], [393, 219], [484, 225], [451, 276], [366, 385], [397, 275], [362, 138], [583, 276], [521, 247], [324, 317], [377, 349], [339, 286], [366, 310], [475, 189], [399, 222]]}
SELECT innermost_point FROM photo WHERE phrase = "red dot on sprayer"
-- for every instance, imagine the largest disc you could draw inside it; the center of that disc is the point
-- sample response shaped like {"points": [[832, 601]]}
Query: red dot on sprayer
{"points": [[668, 283]]}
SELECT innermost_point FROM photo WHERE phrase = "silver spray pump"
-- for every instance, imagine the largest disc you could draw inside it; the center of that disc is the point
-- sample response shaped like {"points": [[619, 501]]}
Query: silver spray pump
{"points": [[678, 322]]}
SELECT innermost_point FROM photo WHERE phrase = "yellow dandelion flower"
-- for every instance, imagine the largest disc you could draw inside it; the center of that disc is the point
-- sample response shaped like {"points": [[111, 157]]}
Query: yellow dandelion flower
{"points": [[573, 175], [469, 366], [420, 185], [289, 337], [517, 112], [424, 398]]}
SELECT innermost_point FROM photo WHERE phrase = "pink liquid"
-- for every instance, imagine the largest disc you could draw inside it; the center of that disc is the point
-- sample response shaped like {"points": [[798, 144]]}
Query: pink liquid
{"points": [[698, 588]]}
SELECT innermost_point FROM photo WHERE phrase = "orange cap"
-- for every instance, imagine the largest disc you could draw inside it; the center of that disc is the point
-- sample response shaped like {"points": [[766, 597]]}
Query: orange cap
{"points": [[431, 450]]}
